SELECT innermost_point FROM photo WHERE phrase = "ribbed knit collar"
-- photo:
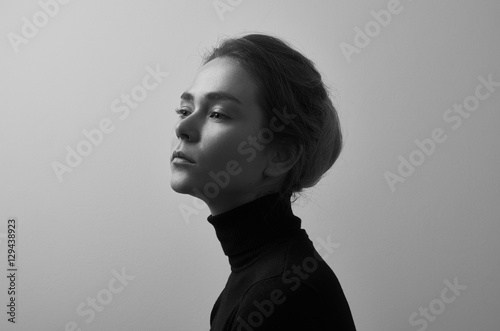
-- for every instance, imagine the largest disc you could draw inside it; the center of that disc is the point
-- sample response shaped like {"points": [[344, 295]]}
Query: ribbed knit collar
{"points": [[245, 231]]}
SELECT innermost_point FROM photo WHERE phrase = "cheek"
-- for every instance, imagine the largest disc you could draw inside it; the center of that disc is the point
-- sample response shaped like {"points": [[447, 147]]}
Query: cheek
{"points": [[235, 145], [222, 142]]}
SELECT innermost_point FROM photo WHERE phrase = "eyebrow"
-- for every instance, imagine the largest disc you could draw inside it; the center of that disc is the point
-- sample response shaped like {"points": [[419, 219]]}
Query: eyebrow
{"points": [[212, 96]]}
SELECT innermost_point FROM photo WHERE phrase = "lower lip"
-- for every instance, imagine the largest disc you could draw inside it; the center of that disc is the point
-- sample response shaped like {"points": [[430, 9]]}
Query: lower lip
{"points": [[179, 160]]}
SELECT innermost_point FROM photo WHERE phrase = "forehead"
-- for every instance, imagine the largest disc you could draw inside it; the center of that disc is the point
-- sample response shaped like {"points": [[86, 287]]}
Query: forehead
{"points": [[224, 75]]}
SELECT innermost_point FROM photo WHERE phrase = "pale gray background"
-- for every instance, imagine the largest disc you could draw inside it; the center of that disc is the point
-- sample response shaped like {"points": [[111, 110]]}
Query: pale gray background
{"points": [[116, 210]]}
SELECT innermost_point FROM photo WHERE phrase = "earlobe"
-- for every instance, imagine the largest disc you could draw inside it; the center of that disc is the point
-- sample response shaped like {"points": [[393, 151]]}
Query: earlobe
{"points": [[281, 161]]}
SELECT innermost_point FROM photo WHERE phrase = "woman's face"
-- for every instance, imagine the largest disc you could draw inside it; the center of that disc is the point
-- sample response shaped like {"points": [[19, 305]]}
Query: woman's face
{"points": [[218, 130]]}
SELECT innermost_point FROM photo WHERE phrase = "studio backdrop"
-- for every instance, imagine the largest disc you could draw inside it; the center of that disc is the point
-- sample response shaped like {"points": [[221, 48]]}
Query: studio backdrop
{"points": [[92, 237]]}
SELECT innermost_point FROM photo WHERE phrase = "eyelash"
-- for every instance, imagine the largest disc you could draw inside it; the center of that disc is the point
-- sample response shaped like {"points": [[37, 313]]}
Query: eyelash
{"points": [[180, 111]]}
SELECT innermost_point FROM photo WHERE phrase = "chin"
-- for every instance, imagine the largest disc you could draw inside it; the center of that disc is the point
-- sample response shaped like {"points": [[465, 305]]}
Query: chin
{"points": [[184, 185], [180, 185]]}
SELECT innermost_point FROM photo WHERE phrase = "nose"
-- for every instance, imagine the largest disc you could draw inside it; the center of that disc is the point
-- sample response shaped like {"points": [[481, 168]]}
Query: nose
{"points": [[188, 128]]}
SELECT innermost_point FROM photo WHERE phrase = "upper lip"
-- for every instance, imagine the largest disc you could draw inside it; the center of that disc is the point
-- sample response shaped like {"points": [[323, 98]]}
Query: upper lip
{"points": [[181, 155]]}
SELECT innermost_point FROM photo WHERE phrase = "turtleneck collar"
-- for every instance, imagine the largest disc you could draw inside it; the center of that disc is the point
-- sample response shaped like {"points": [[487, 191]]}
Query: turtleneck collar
{"points": [[245, 231]]}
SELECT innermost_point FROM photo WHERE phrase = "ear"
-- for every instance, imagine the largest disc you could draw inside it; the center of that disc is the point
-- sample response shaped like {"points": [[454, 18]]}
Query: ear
{"points": [[281, 160]]}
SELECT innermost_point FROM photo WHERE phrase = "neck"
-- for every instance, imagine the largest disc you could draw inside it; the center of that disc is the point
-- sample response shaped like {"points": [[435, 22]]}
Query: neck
{"points": [[226, 202], [246, 230], [222, 204]]}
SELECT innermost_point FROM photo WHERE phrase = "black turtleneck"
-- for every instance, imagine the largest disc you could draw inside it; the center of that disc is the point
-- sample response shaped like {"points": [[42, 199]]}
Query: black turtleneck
{"points": [[278, 280]]}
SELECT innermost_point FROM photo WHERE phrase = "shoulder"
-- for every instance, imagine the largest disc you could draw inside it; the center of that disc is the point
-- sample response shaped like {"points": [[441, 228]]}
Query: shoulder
{"points": [[289, 265], [296, 262], [300, 290], [273, 305]]}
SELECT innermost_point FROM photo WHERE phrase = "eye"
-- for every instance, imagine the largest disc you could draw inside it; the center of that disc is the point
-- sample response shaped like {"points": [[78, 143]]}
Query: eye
{"points": [[182, 112], [218, 115]]}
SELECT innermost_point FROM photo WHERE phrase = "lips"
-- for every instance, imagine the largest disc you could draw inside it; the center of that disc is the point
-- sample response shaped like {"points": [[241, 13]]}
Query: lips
{"points": [[179, 154]]}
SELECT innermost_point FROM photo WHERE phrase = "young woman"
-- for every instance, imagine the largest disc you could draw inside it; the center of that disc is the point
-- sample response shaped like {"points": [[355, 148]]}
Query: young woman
{"points": [[255, 128]]}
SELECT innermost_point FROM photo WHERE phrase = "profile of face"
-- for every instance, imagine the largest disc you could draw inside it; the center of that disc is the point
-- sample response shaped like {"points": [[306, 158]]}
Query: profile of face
{"points": [[219, 121]]}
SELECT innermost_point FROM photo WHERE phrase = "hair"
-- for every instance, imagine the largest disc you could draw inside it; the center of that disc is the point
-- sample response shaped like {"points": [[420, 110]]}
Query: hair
{"points": [[287, 80]]}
